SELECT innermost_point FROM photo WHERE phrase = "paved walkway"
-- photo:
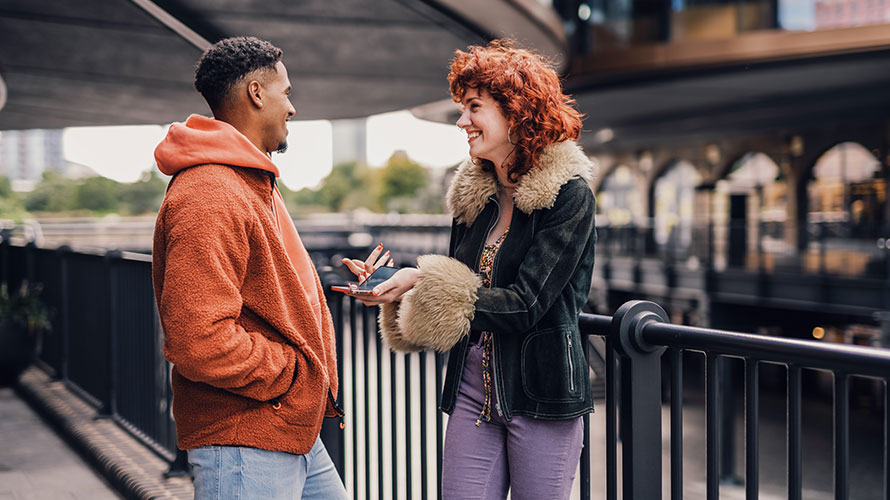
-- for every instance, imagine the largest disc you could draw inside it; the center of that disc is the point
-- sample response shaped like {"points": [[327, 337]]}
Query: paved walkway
{"points": [[36, 464], [130, 467]]}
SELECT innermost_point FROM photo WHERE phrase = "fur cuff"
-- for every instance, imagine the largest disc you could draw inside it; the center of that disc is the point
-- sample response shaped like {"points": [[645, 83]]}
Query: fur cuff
{"points": [[437, 312], [390, 331]]}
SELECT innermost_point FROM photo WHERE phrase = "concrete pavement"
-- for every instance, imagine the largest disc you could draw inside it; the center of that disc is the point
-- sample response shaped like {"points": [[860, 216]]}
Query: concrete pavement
{"points": [[131, 469], [36, 464]]}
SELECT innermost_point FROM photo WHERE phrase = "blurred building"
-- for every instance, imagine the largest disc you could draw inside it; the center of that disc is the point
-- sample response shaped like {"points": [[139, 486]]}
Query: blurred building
{"points": [[743, 153], [26, 154], [350, 141]]}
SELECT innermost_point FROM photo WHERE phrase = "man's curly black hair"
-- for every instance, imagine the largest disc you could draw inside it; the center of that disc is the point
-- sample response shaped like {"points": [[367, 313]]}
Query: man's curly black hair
{"points": [[229, 60]]}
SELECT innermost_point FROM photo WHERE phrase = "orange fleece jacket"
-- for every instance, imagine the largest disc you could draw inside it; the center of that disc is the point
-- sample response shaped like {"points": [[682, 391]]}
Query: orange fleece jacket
{"points": [[245, 324]]}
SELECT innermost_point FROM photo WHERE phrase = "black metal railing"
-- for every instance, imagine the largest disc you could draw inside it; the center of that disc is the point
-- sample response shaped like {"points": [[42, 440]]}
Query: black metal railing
{"points": [[106, 340], [106, 345], [643, 333]]}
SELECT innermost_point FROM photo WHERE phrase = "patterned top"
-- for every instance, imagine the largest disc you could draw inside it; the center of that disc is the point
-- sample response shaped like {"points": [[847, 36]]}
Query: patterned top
{"points": [[486, 266], [487, 261]]}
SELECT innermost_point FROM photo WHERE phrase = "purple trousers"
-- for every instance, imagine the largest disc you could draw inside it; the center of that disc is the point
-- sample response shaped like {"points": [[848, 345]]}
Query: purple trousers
{"points": [[534, 459]]}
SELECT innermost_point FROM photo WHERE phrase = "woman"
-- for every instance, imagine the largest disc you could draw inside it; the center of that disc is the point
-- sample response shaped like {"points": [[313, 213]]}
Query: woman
{"points": [[505, 302]]}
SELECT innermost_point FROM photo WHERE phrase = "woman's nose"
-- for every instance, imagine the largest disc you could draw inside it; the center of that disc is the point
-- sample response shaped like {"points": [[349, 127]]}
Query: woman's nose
{"points": [[463, 121]]}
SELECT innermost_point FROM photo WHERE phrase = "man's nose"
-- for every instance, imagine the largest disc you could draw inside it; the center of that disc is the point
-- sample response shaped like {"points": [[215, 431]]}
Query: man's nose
{"points": [[290, 110]]}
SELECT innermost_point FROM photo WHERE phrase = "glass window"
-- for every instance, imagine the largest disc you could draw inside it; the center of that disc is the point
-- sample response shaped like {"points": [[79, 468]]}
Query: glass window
{"points": [[750, 214], [619, 201], [847, 204], [674, 201]]}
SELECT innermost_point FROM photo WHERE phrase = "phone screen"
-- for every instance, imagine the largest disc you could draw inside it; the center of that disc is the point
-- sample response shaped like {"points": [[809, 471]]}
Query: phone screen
{"points": [[366, 287], [379, 276]]}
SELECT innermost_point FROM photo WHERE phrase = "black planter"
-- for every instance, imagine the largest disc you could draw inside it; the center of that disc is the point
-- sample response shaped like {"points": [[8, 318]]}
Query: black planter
{"points": [[17, 350]]}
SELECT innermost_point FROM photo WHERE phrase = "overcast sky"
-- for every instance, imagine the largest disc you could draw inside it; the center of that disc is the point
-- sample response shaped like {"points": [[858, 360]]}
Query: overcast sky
{"points": [[123, 153]]}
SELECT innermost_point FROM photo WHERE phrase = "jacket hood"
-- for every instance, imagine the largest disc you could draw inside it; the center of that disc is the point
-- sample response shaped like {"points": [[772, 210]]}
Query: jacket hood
{"points": [[201, 140], [538, 188]]}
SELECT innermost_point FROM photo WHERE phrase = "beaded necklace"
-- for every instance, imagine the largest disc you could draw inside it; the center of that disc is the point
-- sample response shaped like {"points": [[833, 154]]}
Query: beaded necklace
{"points": [[486, 265]]}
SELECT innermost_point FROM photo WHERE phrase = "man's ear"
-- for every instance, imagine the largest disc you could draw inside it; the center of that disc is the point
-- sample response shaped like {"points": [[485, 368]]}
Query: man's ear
{"points": [[255, 93]]}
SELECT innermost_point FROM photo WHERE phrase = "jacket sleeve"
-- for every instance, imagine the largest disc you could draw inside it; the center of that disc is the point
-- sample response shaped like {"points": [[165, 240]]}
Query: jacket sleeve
{"points": [[206, 256], [436, 313], [551, 261], [448, 301]]}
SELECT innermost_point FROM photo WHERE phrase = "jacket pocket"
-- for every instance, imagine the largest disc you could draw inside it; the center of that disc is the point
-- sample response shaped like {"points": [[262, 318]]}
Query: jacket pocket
{"points": [[553, 365]]}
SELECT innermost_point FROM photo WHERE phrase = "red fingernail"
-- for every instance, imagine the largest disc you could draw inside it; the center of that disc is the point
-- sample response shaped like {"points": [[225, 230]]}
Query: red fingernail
{"points": [[380, 245], [376, 292]]}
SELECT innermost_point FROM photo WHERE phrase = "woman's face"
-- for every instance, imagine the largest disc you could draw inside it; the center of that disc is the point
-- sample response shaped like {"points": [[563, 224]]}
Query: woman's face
{"points": [[486, 127]]}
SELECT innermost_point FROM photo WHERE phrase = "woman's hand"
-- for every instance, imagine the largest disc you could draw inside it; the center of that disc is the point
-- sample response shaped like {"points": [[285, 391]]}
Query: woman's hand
{"points": [[363, 269], [392, 289]]}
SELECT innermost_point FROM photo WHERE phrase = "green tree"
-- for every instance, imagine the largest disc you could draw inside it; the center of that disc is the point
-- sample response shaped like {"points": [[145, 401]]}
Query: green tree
{"points": [[54, 193], [11, 205], [99, 194], [400, 181], [144, 195], [5, 187], [305, 200], [338, 184]]}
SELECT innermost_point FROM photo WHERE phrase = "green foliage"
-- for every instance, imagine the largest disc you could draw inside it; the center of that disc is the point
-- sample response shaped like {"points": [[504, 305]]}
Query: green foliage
{"points": [[335, 188], [5, 187], [301, 202], [401, 185], [53, 194], [400, 180], [11, 204], [143, 196], [25, 307], [99, 194]]}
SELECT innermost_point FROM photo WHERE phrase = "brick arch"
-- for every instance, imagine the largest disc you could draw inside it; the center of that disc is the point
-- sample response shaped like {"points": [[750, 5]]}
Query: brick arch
{"points": [[811, 158], [637, 176], [724, 168], [617, 161], [658, 172]]}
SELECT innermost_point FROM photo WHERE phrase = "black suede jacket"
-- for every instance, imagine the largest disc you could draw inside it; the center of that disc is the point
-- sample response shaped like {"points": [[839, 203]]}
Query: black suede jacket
{"points": [[540, 280]]}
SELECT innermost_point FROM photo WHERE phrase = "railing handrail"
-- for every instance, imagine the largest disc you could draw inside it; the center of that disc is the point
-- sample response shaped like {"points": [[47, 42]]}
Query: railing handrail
{"points": [[856, 360], [594, 324]]}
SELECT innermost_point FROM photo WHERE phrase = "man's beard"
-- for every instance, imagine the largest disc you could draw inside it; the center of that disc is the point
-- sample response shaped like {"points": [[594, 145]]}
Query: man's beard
{"points": [[282, 147]]}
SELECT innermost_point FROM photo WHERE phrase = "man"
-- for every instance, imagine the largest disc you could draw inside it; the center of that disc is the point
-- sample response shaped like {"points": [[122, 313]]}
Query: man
{"points": [[245, 323]]}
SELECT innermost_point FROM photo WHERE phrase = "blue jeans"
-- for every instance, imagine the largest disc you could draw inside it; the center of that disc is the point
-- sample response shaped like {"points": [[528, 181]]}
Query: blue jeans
{"points": [[232, 472]]}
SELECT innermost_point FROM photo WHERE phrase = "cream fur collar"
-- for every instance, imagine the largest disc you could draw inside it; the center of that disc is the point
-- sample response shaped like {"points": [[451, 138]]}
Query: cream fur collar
{"points": [[558, 163]]}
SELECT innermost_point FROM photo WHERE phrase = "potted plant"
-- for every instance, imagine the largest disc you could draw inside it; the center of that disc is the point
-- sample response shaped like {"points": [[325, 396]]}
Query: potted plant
{"points": [[23, 318]]}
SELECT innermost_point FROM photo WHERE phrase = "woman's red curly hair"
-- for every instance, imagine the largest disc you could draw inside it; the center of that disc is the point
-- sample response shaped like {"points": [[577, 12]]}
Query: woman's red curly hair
{"points": [[527, 88]]}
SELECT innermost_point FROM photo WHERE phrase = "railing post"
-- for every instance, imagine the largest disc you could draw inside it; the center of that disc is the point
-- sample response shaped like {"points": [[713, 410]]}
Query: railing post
{"points": [[64, 321], [332, 430], [31, 249], [640, 399], [109, 403], [180, 466]]}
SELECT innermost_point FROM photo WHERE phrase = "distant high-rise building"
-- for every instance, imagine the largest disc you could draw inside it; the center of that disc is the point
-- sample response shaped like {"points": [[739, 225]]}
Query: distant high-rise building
{"points": [[349, 140], [848, 13], [26, 154]]}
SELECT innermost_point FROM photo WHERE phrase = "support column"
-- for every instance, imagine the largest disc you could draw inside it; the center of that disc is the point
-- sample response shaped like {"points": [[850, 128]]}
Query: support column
{"points": [[640, 414]]}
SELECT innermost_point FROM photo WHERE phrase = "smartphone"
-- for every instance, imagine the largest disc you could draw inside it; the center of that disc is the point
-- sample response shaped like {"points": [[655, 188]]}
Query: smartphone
{"points": [[366, 287]]}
